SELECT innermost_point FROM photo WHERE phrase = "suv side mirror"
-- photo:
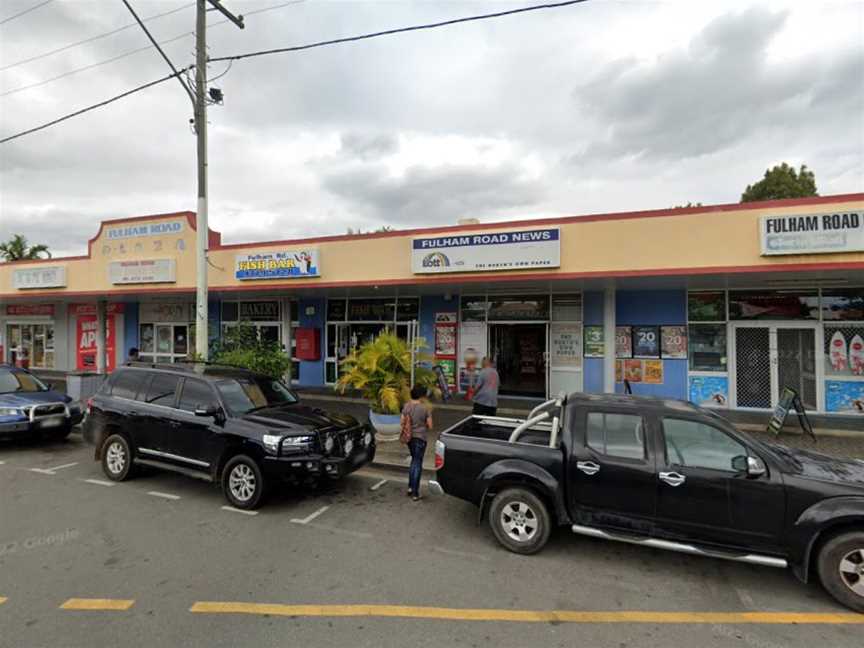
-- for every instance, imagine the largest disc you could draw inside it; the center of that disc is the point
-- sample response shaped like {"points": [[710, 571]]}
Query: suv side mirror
{"points": [[209, 410], [755, 467]]}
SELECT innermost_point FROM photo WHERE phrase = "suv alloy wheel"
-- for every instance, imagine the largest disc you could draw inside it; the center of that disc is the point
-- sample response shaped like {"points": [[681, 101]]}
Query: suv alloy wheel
{"points": [[243, 482], [116, 458]]}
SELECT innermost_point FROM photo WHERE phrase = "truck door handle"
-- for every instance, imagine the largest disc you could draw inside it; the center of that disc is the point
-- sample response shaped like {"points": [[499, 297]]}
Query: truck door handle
{"points": [[672, 478], [588, 467]]}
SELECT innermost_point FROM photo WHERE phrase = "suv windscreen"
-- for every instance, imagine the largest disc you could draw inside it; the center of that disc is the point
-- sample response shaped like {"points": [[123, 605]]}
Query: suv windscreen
{"points": [[18, 381], [249, 393]]}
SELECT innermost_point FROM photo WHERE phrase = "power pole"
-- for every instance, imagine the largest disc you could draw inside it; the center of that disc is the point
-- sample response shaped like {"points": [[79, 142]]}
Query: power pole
{"points": [[201, 315]]}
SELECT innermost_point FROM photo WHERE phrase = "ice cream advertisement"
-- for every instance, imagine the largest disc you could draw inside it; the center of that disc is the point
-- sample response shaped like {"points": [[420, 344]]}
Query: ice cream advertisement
{"points": [[709, 391], [844, 397]]}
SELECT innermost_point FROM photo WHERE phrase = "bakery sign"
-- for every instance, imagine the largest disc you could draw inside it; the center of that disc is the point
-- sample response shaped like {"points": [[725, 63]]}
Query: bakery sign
{"points": [[41, 277], [812, 233], [142, 271], [487, 251]]}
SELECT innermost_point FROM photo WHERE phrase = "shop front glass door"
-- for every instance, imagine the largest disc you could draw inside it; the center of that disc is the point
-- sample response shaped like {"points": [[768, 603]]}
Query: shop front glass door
{"points": [[772, 357], [519, 353]]}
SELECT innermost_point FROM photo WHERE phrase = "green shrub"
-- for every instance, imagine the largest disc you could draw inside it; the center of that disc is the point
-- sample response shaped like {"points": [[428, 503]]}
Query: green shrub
{"points": [[381, 370], [241, 346]]}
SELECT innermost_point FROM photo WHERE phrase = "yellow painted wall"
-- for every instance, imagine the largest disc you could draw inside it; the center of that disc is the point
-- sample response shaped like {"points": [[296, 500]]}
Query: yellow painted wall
{"points": [[719, 239]]}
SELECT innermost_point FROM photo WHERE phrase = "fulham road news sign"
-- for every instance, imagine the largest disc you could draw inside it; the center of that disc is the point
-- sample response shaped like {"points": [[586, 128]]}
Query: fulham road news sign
{"points": [[812, 233], [487, 251]]}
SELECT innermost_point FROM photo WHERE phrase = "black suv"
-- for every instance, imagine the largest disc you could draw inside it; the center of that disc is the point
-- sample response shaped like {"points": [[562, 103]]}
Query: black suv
{"points": [[221, 424]]}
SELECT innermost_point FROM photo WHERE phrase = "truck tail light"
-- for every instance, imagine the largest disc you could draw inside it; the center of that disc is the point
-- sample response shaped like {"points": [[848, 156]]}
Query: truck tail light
{"points": [[439, 454], [89, 404]]}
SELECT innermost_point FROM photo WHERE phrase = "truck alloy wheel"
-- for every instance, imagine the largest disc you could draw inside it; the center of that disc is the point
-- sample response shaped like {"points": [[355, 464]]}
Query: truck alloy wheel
{"points": [[520, 520], [841, 569], [243, 482], [116, 458]]}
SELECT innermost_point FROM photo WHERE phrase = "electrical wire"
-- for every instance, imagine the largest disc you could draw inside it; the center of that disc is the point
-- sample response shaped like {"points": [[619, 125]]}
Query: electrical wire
{"points": [[26, 11], [398, 30], [226, 71], [160, 50], [123, 55], [89, 108], [91, 39]]}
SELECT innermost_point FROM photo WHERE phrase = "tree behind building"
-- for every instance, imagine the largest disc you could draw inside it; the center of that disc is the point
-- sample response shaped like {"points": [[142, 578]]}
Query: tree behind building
{"points": [[783, 181]]}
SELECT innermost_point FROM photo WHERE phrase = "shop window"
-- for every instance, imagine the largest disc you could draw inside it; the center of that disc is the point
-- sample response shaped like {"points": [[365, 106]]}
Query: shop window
{"points": [[371, 310], [707, 347], [505, 309], [773, 305], [407, 309], [706, 306], [567, 308], [844, 350], [31, 345], [230, 311], [336, 310], [616, 435], [843, 304], [473, 309], [259, 311]]}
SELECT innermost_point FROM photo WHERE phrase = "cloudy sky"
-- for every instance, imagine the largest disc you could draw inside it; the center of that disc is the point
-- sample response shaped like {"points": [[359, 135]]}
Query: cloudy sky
{"points": [[610, 105]]}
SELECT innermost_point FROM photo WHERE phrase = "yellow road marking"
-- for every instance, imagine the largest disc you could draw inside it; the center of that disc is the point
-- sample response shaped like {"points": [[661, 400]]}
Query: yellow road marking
{"points": [[97, 604], [524, 616]]}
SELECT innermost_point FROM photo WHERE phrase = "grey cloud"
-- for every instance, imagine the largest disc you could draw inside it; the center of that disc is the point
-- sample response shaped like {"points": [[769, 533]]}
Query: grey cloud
{"points": [[369, 145], [434, 195]]}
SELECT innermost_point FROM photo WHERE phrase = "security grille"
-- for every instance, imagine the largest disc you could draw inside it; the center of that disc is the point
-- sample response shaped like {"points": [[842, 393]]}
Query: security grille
{"points": [[753, 367], [796, 363]]}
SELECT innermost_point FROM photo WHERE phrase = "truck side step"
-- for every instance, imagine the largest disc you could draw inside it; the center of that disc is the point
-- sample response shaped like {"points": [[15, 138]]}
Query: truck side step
{"points": [[754, 559], [195, 474]]}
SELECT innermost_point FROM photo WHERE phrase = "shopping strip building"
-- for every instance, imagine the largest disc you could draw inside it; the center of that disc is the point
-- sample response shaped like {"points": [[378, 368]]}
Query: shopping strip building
{"points": [[722, 305]]}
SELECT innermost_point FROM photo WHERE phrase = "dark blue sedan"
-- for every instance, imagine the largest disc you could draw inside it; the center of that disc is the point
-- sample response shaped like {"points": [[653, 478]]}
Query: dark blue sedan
{"points": [[29, 407]]}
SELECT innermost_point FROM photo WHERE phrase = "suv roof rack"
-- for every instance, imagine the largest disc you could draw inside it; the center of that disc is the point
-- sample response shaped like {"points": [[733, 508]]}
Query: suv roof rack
{"points": [[182, 365]]}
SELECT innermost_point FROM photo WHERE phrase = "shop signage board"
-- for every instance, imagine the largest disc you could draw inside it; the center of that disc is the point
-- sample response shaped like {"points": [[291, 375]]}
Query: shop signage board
{"points": [[261, 311], [135, 230], [30, 309], [565, 342], [165, 312], [812, 233], [594, 346], [487, 251], [90, 309], [86, 337], [673, 340], [282, 264], [142, 271], [41, 277]]}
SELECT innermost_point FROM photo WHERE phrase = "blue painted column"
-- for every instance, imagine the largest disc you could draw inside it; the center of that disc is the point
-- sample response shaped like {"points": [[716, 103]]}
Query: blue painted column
{"points": [[312, 372]]}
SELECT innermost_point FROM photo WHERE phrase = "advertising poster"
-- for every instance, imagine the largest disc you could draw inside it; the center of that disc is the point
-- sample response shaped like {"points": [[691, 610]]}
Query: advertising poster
{"points": [[619, 371], [844, 396], [673, 340], [482, 252], [565, 341], [646, 342], [594, 347], [709, 391], [86, 347], [284, 264], [633, 371], [652, 372], [472, 348], [623, 342], [445, 346]]}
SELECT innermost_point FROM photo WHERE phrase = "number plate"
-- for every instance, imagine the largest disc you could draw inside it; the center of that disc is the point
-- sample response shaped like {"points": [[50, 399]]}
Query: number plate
{"points": [[51, 422]]}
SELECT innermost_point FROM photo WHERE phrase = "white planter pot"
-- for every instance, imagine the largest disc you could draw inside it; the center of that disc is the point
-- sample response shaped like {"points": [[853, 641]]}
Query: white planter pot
{"points": [[387, 426]]}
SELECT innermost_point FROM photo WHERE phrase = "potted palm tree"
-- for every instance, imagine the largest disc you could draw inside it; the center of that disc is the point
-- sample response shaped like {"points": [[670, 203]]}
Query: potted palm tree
{"points": [[381, 371]]}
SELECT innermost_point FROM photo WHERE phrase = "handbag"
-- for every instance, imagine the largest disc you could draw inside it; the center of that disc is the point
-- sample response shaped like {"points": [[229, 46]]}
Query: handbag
{"points": [[406, 429]]}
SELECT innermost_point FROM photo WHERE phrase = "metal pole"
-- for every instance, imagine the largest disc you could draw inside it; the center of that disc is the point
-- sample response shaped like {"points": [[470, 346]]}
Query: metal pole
{"points": [[609, 340], [101, 355], [201, 331]]}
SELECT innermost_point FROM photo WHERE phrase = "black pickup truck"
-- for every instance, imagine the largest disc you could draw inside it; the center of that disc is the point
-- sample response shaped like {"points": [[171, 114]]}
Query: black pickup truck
{"points": [[664, 474]]}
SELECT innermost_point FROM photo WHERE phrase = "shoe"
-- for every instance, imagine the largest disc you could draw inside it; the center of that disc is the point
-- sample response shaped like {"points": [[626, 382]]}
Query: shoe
{"points": [[416, 498], [409, 492]]}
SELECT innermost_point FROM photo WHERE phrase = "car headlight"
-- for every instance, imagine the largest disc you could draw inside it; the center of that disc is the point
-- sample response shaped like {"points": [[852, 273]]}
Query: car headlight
{"points": [[271, 443], [367, 439], [297, 443], [10, 411], [329, 443], [349, 446]]}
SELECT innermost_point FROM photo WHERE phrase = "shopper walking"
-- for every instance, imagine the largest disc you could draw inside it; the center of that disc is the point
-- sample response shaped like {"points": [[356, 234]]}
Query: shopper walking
{"points": [[416, 413], [486, 389]]}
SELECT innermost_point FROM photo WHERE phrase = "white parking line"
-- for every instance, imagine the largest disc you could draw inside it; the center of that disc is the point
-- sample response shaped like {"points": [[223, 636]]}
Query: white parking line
{"points": [[52, 471], [461, 554], [236, 510], [375, 487], [353, 534], [100, 482], [309, 518], [165, 495]]}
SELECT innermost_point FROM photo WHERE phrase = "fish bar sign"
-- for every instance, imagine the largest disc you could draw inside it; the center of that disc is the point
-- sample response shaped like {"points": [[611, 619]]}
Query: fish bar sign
{"points": [[812, 233]]}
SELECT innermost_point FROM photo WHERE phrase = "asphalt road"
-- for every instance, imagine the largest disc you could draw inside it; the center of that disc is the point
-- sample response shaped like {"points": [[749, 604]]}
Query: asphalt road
{"points": [[169, 566]]}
